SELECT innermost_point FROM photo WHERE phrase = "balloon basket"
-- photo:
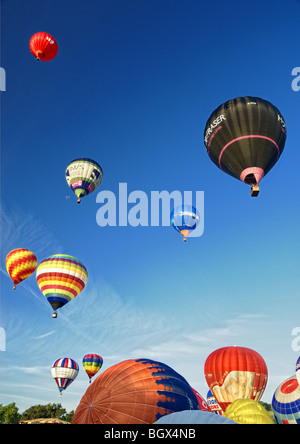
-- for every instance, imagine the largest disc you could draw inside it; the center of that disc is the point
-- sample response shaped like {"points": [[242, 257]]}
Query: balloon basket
{"points": [[54, 315], [254, 190]]}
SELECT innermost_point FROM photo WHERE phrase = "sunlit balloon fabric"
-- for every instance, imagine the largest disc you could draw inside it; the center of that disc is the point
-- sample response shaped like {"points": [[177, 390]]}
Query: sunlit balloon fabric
{"points": [[184, 219], [44, 421], [20, 264], [245, 137], [83, 176], [43, 46], [286, 402], [64, 371], [92, 364], [235, 372], [248, 411], [136, 391], [61, 278]]}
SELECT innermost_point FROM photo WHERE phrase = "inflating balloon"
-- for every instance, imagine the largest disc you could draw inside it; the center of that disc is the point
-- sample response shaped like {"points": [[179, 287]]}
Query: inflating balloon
{"points": [[43, 46], [286, 402], [20, 264], [83, 176], [64, 371], [184, 219], [136, 391], [92, 364], [245, 137], [61, 278], [248, 411], [194, 417], [235, 372]]}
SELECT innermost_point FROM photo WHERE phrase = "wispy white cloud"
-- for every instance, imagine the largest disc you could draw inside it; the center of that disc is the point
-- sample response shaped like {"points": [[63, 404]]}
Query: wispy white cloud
{"points": [[45, 335]]}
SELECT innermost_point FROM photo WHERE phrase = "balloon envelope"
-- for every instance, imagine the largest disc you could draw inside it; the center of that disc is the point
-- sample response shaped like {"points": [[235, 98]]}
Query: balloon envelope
{"points": [[245, 137], [213, 403], [61, 278], [83, 176], [136, 391], [235, 372], [64, 371], [92, 364], [43, 46], [298, 370], [185, 219], [194, 417], [286, 402], [248, 411], [20, 264]]}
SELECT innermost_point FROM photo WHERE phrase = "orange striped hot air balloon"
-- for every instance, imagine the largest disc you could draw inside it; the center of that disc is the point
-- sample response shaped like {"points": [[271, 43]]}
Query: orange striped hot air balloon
{"points": [[235, 372], [20, 264]]}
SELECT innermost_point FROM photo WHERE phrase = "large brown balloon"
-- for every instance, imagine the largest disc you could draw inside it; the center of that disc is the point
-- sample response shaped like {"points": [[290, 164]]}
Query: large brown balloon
{"points": [[136, 391]]}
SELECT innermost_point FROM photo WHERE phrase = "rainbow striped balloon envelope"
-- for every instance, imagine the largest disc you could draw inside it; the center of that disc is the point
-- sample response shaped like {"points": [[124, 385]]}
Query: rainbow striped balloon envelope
{"points": [[61, 278], [286, 402], [92, 364], [64, 371], [20, 264]]}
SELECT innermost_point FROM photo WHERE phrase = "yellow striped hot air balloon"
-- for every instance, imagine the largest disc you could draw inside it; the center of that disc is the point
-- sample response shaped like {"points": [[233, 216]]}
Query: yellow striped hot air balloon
{"points": [[20, 264], [61, 278]]}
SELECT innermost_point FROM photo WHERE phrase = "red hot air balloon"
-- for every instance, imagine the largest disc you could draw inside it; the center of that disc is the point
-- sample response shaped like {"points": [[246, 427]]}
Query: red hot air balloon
{"points": [[235, 372], [136, 391], [43, 46]]}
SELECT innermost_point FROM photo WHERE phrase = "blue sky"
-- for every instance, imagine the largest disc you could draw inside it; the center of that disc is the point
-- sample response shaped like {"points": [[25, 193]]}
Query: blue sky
{"points": [[132, 87]]}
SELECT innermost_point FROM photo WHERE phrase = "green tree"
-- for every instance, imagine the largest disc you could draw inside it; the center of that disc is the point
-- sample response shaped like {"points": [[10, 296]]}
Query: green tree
{"points": [[9, 414], [44, 411]]}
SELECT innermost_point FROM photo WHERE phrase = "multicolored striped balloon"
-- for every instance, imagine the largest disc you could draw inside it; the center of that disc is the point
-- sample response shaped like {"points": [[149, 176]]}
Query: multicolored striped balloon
{"points": [[64, 371], [20, 264], [61, 278], [92, 364], [83, 176]]}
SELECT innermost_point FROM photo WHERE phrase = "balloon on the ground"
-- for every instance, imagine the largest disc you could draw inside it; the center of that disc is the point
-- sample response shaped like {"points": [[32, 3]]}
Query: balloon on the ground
{"points": [[64, 371], [92, 364], [83, 176], [245, 137], [194, 417], [235, 372], [20, 264], [184, 219], [61, 278], [286, 402], [136, 391], [43, 46], [248, 411]]}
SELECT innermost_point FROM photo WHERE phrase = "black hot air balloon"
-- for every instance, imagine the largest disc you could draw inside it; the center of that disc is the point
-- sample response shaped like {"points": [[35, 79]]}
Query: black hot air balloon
{"points": [[245, 137]]}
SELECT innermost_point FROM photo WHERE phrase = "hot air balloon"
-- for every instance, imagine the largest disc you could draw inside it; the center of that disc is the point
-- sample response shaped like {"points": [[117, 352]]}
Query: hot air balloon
{"points": [[298, 370], [83, 176], [202, 402], [20, 264], [245, 137], [64, 371], [61, 278], [194, 417], [248, 411], [235, 372], [185, 219], [43, 46], [213, 404], [136, 391], [92, 364], [286, 402]]}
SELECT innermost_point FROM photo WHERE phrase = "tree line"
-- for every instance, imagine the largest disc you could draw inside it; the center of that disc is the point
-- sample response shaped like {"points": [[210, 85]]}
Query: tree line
{"points": [[9, 414]]}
